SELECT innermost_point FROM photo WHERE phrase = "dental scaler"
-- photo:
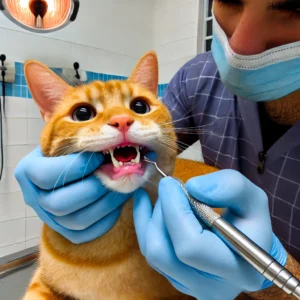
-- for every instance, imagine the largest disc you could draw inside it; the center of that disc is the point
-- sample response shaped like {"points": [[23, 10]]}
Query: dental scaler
{"points": [[241, 244]]}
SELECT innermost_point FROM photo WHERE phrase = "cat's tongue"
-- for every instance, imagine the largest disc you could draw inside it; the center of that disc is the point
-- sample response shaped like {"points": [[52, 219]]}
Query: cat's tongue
{"points": [[116, 173]]}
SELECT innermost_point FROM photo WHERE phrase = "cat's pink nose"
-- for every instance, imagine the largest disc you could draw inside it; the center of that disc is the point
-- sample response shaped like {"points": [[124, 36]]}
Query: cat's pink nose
{"points": [[121, 122]]}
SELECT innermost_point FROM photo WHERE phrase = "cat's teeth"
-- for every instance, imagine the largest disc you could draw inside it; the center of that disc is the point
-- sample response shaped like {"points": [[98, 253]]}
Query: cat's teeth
{"points": [[132, 160], [121, 163], [138, 156], [114, 161]]}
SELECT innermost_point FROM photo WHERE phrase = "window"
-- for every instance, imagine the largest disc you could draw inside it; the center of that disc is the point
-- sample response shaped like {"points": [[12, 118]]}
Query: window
{"points": [[208, 25]]}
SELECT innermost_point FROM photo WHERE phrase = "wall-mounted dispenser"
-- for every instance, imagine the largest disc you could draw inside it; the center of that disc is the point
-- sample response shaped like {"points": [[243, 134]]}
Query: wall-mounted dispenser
{"points": [[74, 76], [40, 16]]}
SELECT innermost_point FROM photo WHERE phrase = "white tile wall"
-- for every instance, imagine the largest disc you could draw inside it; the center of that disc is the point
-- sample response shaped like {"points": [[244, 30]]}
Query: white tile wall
{"points": [[32, 110], [34, 127], [15, 131], [12, 207], [175, 34], [30, 212], [19, 225], [8, 183], [33, 227], [14, 108], [12, 232], [13, 154], [12, 249], [32, 242]]}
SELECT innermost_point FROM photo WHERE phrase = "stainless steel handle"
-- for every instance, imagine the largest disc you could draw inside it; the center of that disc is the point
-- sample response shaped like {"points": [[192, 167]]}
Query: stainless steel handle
{"points": [[245, 247], [258, 258]]}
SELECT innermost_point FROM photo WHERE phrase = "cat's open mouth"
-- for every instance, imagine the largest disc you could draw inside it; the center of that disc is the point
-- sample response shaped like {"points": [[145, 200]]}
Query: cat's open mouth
{"points": [[124, 160]]}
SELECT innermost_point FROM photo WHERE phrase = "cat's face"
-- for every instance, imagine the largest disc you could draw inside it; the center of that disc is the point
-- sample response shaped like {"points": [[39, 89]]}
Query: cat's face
{"points": [[121, 119]]}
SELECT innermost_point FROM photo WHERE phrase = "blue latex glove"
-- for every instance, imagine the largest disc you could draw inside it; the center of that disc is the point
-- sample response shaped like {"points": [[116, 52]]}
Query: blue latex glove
{"points": [[67, 196], [195, 260]]}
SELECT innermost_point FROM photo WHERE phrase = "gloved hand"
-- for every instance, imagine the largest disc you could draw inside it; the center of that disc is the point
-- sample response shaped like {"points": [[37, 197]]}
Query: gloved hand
{"points": [[195, 260], [67, 197]]}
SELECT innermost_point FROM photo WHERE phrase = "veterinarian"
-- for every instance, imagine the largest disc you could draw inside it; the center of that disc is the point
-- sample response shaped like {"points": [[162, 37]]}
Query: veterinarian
{"points": [[242, 102]]}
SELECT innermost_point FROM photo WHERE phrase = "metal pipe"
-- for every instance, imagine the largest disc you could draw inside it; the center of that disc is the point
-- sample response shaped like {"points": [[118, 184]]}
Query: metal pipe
{"points": [[14, 262]]}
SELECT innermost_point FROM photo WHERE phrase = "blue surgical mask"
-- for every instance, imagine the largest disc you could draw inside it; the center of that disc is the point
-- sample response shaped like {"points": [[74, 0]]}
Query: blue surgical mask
{"points": [[262, 77]]}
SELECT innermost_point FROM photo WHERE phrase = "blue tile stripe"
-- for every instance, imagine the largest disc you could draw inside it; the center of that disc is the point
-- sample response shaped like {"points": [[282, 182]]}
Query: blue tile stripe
{"points": [[20, 89]]}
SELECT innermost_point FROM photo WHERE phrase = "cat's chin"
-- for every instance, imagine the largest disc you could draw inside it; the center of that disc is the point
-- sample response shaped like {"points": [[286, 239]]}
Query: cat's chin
{"points": [[127, 183]]}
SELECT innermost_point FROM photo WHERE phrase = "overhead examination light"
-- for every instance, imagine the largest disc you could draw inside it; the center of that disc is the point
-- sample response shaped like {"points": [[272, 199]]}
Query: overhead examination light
{"points": [[40, 16]]}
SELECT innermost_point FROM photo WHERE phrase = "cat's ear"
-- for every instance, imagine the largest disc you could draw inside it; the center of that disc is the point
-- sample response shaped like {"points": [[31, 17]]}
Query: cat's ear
{"points": [[46, 88], [146, 72]]}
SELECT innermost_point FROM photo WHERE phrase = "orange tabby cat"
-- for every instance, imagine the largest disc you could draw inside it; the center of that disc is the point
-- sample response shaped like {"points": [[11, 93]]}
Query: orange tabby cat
{"points": [[100, 117]]}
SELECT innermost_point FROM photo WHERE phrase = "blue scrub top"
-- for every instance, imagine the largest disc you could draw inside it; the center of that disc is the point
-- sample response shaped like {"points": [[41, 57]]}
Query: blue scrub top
{"points": [[232, 139]]}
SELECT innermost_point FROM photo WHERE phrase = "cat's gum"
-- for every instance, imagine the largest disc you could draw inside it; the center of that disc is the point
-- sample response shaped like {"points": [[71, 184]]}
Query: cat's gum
{"points": [[115, 173]]}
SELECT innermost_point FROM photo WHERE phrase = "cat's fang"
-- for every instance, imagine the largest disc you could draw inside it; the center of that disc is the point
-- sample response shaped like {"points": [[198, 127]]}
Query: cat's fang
{"points": [[138, 156], [114, 161]]}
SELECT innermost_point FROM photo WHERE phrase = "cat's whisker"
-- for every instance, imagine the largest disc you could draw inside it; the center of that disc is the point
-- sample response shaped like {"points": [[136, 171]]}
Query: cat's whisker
{"points": [[67, 149], [166, 146], [70, 167], [87, 164], [181, 145], [66, 138], [199, 114], [166, 138], [66, 168], [178, 120], [178, 147], [203, 132], [187, 127], [186, 131]]}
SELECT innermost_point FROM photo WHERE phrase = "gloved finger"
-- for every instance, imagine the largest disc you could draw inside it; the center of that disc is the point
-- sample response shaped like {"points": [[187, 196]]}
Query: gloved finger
{"points": [[96, 230], [160, 251], [142, 214], [85, 217], [73, 197], [193, 245], [76, 237], [230, 189], [53, 172], [157, 247], [161, 256]]}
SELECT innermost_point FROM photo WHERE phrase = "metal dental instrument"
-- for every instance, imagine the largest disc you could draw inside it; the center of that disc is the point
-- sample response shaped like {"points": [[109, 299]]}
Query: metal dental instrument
{"points": [[240, 243]]}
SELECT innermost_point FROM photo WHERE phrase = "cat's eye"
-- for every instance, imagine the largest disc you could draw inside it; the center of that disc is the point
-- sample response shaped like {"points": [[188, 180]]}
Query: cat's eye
{"points": [[140, 106], [83, 113]]}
